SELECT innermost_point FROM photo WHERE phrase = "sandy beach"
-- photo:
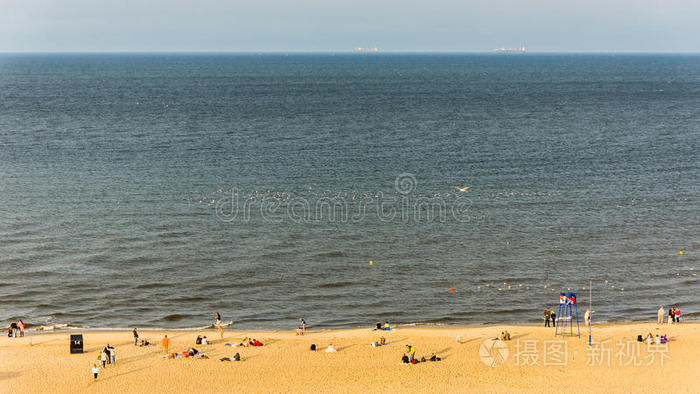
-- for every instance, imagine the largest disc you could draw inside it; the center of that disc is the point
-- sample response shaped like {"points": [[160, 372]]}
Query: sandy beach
{"points": [[535, 361]]}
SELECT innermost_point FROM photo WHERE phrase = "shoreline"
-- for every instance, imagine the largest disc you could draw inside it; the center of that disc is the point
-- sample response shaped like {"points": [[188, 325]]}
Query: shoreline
{"points": [[42, 363], [60, 328]]}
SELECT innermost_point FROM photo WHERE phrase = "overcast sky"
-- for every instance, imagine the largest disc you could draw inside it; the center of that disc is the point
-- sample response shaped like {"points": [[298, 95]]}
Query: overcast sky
{"points": [[340, 25]]}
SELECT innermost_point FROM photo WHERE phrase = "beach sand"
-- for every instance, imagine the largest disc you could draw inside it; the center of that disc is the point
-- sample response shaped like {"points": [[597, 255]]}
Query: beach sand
{"points": [[285, 363]]}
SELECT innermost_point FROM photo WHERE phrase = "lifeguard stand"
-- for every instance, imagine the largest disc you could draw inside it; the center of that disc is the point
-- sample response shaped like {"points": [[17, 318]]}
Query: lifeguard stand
{"points": [[568, 311]]}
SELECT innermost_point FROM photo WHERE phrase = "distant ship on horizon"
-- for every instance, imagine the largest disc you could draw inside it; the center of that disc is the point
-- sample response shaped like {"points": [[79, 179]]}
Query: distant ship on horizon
{"points": [[521, 49], [365, 50]]}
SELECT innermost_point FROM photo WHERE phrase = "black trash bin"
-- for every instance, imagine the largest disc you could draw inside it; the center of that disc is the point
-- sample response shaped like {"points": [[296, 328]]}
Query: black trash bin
{"points": [[76, 343]]}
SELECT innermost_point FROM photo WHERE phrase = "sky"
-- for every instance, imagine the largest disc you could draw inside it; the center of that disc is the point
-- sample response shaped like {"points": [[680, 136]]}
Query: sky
{"points": [[340, 25]]}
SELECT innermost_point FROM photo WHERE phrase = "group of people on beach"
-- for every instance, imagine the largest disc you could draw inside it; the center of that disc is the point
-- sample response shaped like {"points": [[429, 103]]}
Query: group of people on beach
{"points": [[106, 356], [385, 327], [550, 315], [649, 339], [410, 356], [674, 315], [15, 329]]}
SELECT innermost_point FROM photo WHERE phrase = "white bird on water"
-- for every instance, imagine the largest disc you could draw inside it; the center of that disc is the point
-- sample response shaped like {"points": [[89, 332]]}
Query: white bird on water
{"points": [[462, 189]]}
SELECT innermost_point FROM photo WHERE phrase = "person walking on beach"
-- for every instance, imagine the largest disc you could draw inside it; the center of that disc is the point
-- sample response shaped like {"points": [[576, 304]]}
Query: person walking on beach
{"points": [[136, 337], [678, 315], [672, 314], [547, 314], [554, 319], [166, 344], [112, 354], [13, 329], [95, 371], [20, 324], [218, 325], [660, 315], [103, 359]]}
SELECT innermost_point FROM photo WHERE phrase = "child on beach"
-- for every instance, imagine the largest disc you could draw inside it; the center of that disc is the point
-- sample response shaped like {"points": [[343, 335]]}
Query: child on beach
{"points": [[95, 371]]}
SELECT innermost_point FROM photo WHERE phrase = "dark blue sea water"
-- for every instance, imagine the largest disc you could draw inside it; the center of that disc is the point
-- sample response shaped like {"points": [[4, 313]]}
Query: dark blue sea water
{"points": [[153, 190]]}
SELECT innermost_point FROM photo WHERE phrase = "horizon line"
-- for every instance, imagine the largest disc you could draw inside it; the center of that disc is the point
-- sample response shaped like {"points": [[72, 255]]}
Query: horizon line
{"points": [[351, 52]]}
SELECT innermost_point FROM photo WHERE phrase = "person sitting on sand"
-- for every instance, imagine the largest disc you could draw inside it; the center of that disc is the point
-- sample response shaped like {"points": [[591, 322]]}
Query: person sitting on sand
{"points": [[382, 341], [506, 335], [236, 357], [198, 341], [256, 343], [664, 339], [649, 339], [379, 326], [387, 327], [205, 341], [144, 342], [433, 357], [411, 352], [299, 331], [657, 339], [330, 348], [502, 337]]}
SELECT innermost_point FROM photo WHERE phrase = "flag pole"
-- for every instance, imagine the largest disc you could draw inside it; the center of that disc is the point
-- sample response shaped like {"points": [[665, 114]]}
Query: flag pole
{"points": [[590, 310]]}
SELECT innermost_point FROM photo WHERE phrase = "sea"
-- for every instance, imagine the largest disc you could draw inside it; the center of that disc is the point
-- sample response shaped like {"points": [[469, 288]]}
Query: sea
{"points": [[153, 190]]}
